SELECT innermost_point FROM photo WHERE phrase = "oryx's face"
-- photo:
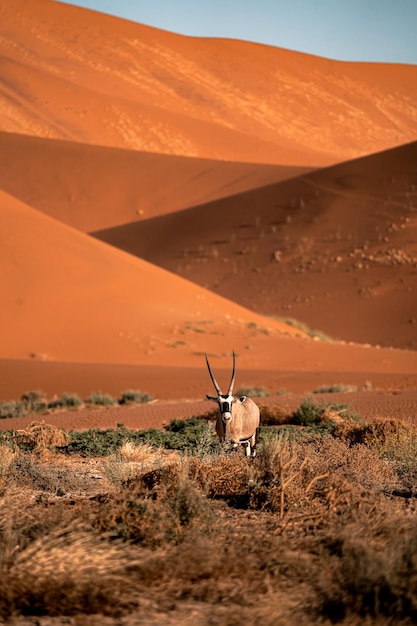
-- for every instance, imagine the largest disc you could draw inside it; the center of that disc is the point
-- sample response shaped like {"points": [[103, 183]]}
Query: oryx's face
{"points": [[224, 400]]}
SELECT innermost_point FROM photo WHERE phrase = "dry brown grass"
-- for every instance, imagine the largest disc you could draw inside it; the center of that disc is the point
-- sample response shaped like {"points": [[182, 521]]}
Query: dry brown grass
{"points": [[41, 435], [6, 458], [130, 461], [307, 532]]}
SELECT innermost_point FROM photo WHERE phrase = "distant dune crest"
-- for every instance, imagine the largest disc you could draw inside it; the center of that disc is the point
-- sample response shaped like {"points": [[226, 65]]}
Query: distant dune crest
{"points": [[70, 73]]}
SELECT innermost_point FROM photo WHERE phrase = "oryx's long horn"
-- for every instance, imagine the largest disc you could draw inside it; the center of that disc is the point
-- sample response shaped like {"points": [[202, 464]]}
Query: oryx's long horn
{"points": [[232, 382], [215, 383]]}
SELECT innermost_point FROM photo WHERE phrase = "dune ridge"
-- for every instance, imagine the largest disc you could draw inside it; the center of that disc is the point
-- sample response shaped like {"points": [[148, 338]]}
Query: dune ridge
{"points": [[95, 187], [75, 74], [340, 239]]}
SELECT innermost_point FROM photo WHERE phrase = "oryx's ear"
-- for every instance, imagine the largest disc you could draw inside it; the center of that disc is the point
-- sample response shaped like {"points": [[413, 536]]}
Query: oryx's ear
{"points": [[211, 398], [242, 399]]}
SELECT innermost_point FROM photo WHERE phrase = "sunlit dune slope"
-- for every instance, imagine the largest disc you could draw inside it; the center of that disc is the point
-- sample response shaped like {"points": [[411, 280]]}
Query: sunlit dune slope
{"points": [[94, 187], [74, 74], [336, 248], [67, 297]]}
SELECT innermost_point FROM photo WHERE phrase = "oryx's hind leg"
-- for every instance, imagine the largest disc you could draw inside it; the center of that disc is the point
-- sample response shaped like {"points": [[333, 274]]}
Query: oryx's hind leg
{"points": [[253, 442], [247, 448]]}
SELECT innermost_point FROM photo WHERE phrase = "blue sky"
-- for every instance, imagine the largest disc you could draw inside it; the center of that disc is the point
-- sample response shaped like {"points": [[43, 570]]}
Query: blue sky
{"points": [[349, 30]]}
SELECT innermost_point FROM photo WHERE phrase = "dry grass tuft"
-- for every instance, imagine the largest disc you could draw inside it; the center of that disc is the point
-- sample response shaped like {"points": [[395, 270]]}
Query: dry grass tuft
{"points": [[67, 571], [41, 435], [6, 459], [131, 460], [138, 453]]}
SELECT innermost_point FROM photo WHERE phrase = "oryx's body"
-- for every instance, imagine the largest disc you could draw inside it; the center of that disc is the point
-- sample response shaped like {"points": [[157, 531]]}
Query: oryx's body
{"points": [[238, 419]]}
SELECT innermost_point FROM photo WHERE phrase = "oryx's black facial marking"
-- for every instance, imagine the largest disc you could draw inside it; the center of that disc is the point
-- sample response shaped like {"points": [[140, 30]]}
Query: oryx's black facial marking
{"points": [[225, 404]]}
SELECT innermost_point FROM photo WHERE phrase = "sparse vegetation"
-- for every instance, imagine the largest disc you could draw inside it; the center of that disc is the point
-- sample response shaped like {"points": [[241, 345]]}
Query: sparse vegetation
{"points": [[319, 528], [322, 414], [305, 330], [132, 396], [252, 392], [67, 400], [100, 399], [35, 402], [338, 388]]}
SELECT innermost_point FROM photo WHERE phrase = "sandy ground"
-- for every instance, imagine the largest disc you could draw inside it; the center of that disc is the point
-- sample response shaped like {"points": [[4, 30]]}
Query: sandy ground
{"points": [[336, 248], [368, 405], [162, 198]]}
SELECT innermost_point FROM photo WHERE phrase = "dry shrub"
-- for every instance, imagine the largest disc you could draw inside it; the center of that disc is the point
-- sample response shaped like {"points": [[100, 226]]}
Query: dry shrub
{"points": [[273, 472], [6, 458], [65, 572], [394, 441], [330, 477], [225, 568], [371, 569], [336, 541], [272, 415], [227, 476], [41, 435], [357, 464], [48, 474], [156, 508], [312, 477]]}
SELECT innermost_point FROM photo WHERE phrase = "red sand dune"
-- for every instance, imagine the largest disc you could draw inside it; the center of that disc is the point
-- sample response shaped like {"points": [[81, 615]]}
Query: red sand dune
{"points": [[92, 188], [75, 74], [71, 298], [108, 123], [336, 248]]}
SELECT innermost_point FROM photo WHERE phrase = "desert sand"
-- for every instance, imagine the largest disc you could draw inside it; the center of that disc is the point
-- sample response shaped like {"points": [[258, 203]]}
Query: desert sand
{"points": [[165, 196], [74, 74], [336, 247]]}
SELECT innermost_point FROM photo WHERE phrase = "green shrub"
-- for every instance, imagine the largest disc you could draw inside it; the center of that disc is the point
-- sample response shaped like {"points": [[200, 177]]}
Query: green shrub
{"points": [[12, 409], [324, 415], [252, 392], [30, 402], [34, 401], [101, 399], [68, 400], [338, 388], [309, 413], [193, 436], [131, 396]]}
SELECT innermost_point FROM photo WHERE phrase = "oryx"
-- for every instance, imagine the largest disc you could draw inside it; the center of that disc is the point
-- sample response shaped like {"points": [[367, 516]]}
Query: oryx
{"points": [[238, 418]]}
